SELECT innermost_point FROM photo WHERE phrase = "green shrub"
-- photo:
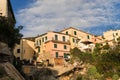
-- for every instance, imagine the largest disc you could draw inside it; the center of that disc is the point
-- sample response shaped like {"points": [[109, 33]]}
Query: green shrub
{"points": [[79, 77], [115, 77]]}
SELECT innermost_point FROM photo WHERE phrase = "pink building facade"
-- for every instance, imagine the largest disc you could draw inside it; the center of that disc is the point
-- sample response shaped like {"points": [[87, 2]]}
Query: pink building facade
{"points": [[58, 49], [52, 45]]}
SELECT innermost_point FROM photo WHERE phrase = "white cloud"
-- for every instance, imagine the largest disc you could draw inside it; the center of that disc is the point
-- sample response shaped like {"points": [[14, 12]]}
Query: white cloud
{"points": [[44, 15]]}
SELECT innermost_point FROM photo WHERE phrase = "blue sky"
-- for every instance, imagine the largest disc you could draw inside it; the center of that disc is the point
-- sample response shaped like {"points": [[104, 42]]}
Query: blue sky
{"points": [[18, 5], [40, 16]]}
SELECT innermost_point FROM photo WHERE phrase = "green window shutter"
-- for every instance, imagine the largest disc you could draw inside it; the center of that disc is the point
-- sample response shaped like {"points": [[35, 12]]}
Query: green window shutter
{"points": [[55, 45], [88, 37], [64, 38], [56, 37], [73, 40], [65, 55], [65, 47], [57, 55], [42, 39], [46, 38], [40, 42], [75, 33], [39, 49], [66, 32]]}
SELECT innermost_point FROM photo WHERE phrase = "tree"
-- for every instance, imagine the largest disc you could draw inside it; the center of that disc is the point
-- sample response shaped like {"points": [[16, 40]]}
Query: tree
{"points": [[109, 62], [75, 52], [92, 74], [9, 34], [97, 48], [106, 47], [81, 56], [105, 65]]}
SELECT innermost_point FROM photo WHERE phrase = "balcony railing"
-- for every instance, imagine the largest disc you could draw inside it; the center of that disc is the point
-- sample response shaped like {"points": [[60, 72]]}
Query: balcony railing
{"points": [[61, 41], [37, 45]]}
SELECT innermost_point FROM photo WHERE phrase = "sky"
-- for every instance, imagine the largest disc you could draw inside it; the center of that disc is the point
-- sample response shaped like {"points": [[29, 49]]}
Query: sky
{"points": [[92, 16]]}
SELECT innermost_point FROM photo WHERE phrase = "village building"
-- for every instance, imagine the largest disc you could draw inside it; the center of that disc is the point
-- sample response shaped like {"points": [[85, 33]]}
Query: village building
{"points": [[26, 49], [7, 12], [80, 39], [52, 47], [98, 39], [111, 36]]}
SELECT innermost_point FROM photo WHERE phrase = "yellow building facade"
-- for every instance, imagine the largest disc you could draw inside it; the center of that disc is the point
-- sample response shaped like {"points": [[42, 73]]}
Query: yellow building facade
{"points": [[79, 39], [3, 8], [6, 11], [26, 49], [111, 36]]}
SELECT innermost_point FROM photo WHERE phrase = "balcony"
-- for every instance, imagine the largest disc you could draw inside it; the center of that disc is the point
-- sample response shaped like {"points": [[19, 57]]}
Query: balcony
{"points": [[37, 45], [60, 41]]}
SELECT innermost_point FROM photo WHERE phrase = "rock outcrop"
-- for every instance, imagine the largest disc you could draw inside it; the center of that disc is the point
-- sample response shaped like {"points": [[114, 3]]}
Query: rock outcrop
{"points": [[9, 72], [4, 49], [5, 54]]}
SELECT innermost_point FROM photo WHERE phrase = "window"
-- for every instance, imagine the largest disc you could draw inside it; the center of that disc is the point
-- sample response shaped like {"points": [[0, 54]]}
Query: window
{"points": [[56, 37], [65, 47], [18, 50], [40, 42], [73, 40], [75, 33], [42, 39], [64, 38], [46, 38], [57, 55], [38, 49], [37, 42], [88, 37], [65, 55], [107, 43], [66, 32], [116, 34], [55, 45]]}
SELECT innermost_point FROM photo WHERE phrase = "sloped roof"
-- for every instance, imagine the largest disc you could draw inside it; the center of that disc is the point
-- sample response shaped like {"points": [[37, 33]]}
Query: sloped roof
{"points": [[55, 32], [30, 38], [75, 29]]}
